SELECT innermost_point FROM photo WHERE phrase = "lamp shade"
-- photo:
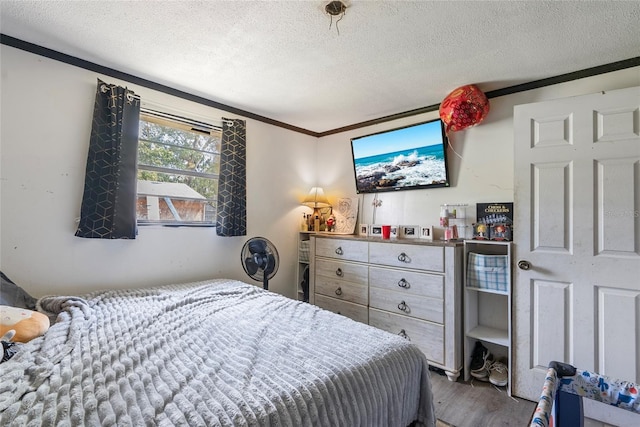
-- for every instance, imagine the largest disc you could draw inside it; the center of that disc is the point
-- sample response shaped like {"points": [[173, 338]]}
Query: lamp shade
{"points": [[316, 198]]}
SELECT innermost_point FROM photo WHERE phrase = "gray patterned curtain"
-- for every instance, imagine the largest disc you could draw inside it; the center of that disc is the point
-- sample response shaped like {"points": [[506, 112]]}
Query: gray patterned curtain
{"points": [[109, 201], [232, 184]]}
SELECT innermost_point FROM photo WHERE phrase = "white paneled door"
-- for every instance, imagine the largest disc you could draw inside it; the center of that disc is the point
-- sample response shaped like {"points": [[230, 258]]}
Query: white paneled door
{"points": [[577, 237]]}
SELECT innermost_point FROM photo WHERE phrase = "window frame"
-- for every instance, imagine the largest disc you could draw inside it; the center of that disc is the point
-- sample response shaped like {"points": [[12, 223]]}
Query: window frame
{"points": [[187, 125]]}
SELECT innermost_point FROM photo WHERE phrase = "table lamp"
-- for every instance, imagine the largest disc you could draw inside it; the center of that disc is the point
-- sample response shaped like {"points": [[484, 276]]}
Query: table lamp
{"points": [[316, 200]]}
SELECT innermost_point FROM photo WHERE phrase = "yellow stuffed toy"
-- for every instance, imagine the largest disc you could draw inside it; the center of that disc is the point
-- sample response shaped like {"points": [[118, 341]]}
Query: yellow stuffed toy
{"points": [[27, 324]]}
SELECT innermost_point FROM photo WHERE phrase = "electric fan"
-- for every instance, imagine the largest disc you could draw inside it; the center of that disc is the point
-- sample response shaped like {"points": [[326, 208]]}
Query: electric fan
{"points": [[260, 259]]}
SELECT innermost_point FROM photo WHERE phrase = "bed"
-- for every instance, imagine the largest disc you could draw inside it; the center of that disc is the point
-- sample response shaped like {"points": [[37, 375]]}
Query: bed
{"points": [[213, 353]]}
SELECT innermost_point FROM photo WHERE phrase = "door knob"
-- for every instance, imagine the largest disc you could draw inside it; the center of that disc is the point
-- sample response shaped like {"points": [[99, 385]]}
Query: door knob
{"points": [[524, 265]]}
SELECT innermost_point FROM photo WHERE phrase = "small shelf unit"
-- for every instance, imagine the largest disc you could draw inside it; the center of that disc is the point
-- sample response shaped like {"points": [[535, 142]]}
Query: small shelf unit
{"points": [[303, 262], [487, 312]]}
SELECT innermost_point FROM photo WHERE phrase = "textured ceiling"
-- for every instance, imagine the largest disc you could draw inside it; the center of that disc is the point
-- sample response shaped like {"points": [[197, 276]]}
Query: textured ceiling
{"points": [[280, 59]]}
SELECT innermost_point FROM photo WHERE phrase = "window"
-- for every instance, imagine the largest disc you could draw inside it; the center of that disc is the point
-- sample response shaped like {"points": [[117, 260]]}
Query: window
{"points": [[178, 169]]}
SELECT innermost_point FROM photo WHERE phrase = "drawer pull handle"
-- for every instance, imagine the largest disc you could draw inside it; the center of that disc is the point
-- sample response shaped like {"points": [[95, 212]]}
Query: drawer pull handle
{"points": [[404, 258], [339, 251], [339, 291], [404, 284], [339, 272], [404, 335], [403, 307]]}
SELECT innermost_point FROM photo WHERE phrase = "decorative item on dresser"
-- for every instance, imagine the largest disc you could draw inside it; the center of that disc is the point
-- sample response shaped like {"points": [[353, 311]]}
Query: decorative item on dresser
{"points": [[411, 288]]}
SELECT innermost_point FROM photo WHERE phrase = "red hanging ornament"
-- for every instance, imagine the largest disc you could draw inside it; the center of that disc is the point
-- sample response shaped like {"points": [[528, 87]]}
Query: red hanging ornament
{"points": [[466, 106]]}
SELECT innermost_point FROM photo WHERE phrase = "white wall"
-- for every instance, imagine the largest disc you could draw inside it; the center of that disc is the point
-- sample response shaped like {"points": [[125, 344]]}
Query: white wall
{"points": [[46, 111], [483, 174]]}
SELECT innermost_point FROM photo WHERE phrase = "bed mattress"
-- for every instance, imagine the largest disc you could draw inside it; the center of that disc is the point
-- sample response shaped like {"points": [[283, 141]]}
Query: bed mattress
{"points": [[214, 353]]}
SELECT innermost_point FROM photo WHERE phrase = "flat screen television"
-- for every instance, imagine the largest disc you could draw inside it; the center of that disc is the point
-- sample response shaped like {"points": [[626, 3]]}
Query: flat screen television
{"points": [[406, 158]]}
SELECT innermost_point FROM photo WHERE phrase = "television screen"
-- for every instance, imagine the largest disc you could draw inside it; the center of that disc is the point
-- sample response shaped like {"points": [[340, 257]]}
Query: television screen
{"points": [[406, 158]]}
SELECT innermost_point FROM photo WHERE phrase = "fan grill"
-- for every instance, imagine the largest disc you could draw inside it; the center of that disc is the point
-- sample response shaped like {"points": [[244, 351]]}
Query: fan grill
{"points": [[260, 259]]}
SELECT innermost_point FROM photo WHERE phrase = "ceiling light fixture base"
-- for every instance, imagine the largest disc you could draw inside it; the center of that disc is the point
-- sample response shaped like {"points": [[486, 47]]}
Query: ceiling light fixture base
{"points": [[335, 8]]}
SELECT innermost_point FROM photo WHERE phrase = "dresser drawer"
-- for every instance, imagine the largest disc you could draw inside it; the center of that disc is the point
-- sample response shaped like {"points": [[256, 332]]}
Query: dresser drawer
{"points": [[357, 312], [417, 257], [342, 290], [428, 337], [352, 250], [407, 282], [356, 273], [424, 308]]}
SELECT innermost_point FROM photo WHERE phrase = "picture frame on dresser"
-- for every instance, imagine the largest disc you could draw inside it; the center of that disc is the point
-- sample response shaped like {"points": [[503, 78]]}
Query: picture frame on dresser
{"points": [[375, 230], [363, 230], [409, 232], [426, 233]]}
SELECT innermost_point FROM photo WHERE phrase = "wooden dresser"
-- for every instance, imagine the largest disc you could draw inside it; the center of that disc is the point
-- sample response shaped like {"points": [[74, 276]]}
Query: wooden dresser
{"points": [[406, 287]]}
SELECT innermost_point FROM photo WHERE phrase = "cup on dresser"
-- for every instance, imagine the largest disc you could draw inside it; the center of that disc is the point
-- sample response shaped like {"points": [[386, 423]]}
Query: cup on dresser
{"points": [[386, 231]]}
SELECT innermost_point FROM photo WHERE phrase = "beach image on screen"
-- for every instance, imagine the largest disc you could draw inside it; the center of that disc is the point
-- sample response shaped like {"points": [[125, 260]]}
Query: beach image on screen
{"points": [[402, 158]]}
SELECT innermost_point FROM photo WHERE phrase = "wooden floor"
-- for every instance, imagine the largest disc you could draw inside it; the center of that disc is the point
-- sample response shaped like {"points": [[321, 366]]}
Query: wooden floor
{"points": [[477, 404]]}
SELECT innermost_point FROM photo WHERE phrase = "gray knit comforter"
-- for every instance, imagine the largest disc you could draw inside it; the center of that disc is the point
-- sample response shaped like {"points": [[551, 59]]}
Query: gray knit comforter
{"points": [[216, 353]]}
